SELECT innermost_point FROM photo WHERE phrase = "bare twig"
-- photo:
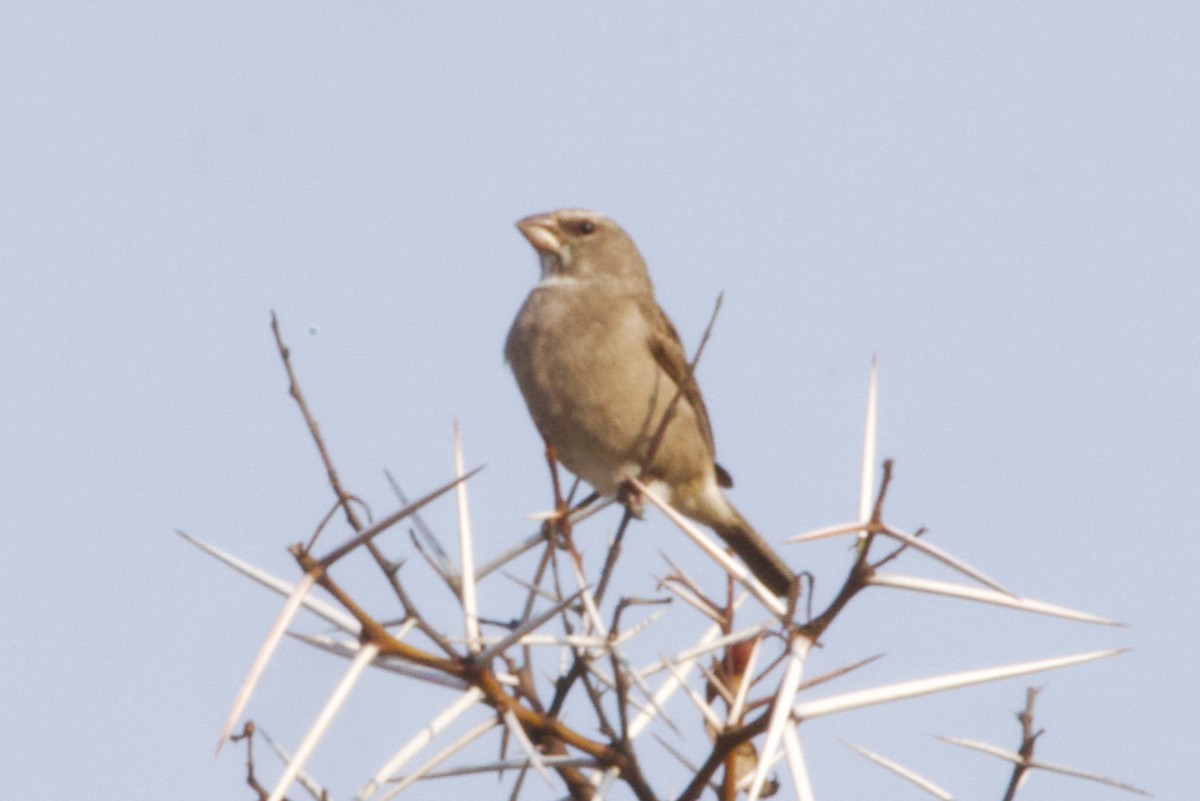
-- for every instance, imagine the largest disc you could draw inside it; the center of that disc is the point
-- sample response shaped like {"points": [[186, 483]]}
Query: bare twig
{"points": [[607, 713], [314, 429], [1028, 742]]}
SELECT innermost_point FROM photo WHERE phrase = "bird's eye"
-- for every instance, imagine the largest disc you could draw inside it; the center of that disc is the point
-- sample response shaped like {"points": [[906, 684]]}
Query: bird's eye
{"points": [[585, 226]]}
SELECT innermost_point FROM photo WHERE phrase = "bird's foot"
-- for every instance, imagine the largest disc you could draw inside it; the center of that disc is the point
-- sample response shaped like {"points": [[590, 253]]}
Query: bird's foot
{"points": [[631, 498], [559, 520]]}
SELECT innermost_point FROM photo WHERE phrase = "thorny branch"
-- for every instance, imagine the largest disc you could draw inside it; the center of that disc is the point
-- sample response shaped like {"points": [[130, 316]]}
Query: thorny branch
{"points": [[314, 429], [507, 678], [861, 570], [1028, 741], [543, 728], [541, 722], [247, 734]]}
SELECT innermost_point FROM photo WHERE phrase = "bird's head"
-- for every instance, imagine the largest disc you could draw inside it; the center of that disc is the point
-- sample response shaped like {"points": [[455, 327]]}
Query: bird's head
{"points": [[584, 245]]}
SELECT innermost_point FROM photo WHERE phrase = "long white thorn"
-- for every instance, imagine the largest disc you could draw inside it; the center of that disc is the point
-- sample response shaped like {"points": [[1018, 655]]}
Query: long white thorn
{"points": [[605, 783], [929, 549], [902, 772], [690, 598], [781, 712], [673, 682], [984, 596], [866, 491], [306, 781], [348, 649], [717, 685], [591, 611], [950, 681], [727, 563], [426, 769], [533, 623], [697, 700], [796, 766], [324, 718], [705, 646], [830, 531], [743, 690], [535, 756], [509, 764], [637, 628], [1016, 759], [265, 651], [330, 613], [467, 547], [450, 714]]}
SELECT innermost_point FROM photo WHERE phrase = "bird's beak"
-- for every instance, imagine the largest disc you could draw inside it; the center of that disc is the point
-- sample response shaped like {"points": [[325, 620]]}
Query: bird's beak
{"points": [[540, 231]]}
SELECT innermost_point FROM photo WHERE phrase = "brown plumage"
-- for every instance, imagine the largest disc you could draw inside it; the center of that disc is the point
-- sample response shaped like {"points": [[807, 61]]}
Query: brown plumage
{"points": [[598, 363]]}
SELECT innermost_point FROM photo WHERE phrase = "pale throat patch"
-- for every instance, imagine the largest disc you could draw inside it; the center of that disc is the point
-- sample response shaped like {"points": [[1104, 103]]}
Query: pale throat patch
{"points": [[560, 260], [558, 280]]}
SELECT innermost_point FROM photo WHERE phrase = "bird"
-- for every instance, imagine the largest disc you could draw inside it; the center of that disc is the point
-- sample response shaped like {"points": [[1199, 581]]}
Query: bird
{"points": [[598, 363]]}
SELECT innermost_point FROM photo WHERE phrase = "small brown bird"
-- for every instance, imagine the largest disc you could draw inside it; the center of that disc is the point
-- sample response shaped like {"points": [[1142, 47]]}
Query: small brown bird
{"points": [[598, 363]]}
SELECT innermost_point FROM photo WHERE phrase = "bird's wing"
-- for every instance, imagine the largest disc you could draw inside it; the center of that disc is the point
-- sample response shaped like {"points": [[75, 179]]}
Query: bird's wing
{"points": [[668, 352]]}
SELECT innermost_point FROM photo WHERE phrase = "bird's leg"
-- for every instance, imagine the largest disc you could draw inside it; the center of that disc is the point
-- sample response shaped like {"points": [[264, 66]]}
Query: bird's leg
{"points": [[632, 499], [562, 514], [585, 503]]}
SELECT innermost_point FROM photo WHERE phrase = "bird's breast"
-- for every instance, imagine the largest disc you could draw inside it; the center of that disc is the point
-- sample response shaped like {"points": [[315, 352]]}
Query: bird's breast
{"points": [[581, 361]]}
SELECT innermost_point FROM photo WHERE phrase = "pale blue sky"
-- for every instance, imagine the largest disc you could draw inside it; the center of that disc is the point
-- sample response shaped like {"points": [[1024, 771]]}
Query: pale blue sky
{"points": [[1000, 200]]}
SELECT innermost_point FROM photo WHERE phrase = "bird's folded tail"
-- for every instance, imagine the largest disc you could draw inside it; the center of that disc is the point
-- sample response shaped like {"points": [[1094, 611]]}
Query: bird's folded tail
{"points": [[758, 555]]}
